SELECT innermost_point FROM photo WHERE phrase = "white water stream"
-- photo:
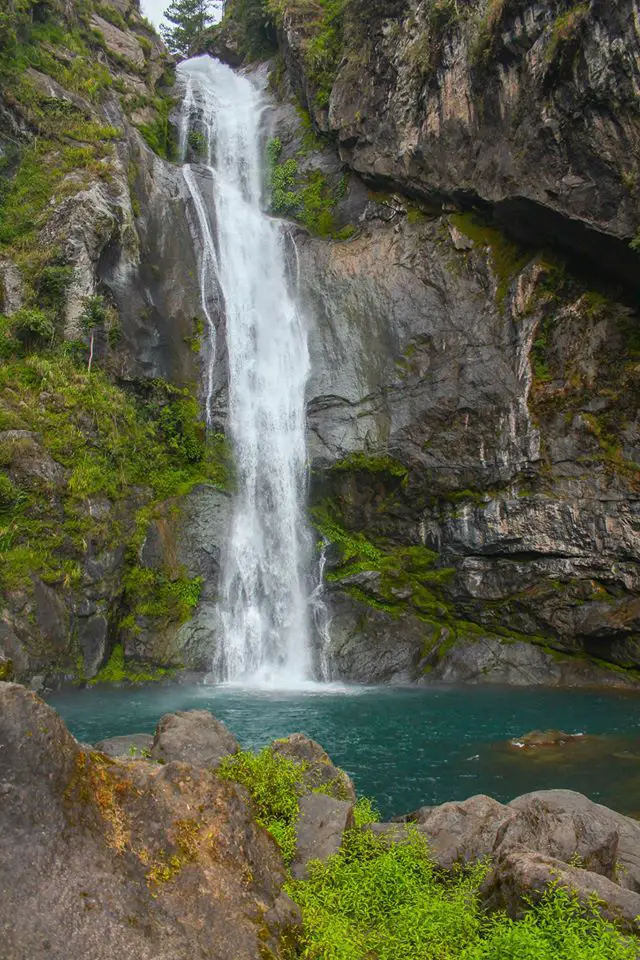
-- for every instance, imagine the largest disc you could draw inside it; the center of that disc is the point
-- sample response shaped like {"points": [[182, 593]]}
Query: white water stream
{"points": [[265, 608]]}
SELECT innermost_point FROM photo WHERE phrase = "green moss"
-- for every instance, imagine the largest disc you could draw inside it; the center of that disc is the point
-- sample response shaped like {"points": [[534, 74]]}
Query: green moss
{"points": [[153, 593], [507, 258], [371, 464], [119, 670], [566, 29], [160, 134], [408, 571]]}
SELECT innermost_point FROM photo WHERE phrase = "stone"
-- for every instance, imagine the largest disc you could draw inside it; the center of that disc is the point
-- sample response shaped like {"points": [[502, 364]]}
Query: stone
{"points": [[11, 287], [132, 746], [92, 637], [28, 460], [100, 857], [319, 830], [562, 824], [192, 736], [544, 738], [521, 877], [560, 804], [319, 770]]}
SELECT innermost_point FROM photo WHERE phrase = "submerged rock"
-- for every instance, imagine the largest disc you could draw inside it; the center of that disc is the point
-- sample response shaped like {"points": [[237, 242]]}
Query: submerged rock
{"points": [[192, 736], [100, 858], [545, 738]]}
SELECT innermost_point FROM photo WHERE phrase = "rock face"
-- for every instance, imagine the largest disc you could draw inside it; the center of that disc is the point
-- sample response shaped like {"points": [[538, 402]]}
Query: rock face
{"points": [[98, 856], [192, 736], [473, 394], [507, 103]]}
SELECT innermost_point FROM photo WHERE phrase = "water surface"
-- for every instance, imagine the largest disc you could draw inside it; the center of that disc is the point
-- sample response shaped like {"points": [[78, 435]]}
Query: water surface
{"points": [[406, 748]]}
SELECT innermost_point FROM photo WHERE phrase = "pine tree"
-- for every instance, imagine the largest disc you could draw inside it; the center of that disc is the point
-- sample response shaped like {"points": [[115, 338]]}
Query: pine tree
{"points": [[190, 19]]}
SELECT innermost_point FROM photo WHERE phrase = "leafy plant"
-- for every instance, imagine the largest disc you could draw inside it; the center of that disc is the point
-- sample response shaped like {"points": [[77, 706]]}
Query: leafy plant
{"points": [[274, 783]]}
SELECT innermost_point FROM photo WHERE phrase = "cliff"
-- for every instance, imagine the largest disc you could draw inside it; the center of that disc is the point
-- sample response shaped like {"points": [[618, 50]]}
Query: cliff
{"points": [[101, 339], [474, 398]]}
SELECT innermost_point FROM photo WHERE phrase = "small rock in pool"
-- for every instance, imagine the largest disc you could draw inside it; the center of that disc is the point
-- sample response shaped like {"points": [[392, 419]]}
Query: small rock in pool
{"points": [[545, 738]]}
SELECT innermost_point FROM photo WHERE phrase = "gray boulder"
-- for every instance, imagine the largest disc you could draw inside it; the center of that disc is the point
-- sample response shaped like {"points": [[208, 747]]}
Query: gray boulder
{"points": [[319, 771], [558, 823], [135, 745], [521, 877], [192, 736], [320, 829], [100, 858]]}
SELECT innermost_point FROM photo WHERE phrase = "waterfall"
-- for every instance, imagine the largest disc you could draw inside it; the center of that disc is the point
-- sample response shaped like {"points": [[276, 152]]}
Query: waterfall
{"points": [[264, 607]]}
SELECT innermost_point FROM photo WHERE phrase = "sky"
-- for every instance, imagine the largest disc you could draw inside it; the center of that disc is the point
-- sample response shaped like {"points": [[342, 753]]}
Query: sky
{"points": [[153, 10]]}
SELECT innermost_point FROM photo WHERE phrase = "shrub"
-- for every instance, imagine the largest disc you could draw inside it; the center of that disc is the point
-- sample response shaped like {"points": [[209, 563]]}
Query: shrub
{"points": [[33, 326], [274, 783], [391, 902]]}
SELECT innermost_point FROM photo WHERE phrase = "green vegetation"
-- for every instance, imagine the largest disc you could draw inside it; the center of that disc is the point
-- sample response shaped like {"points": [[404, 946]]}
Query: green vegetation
{"points": [[507, 258], [323, 39], [391, 902], [160, 134], [275, 785], [408, 576], [307, 197], [371, 464], [110, 442], [566, 30], [119, 670]]}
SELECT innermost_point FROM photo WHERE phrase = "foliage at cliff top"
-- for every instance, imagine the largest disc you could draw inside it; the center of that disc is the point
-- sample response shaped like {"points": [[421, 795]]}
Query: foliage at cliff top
{"points": [[190, 19], [391, 902]]}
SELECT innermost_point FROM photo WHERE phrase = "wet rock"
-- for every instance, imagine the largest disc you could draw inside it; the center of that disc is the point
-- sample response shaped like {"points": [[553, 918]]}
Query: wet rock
{"points": [[319, 830], [192, 736], [521, 877], [545, 738], [319, 771], [133, 745], [100, 857]]}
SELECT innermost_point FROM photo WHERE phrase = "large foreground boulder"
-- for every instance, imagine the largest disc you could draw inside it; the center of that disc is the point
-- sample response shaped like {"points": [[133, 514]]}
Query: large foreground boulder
{"points": [[192, 736], [101, 858]]}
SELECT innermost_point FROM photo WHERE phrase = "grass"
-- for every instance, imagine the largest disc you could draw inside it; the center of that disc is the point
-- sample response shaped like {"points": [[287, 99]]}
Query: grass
{"points": [[111, 443], [275, 785], [391, 901]]}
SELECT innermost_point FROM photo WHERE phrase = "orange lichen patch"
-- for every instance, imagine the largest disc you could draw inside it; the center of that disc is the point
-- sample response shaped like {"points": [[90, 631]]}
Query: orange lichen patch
{"points": [[166, 866], [96, 782]]}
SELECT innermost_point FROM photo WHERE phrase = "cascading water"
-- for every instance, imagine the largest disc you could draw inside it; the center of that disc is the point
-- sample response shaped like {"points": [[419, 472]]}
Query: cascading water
{"points": [[264, 611]]}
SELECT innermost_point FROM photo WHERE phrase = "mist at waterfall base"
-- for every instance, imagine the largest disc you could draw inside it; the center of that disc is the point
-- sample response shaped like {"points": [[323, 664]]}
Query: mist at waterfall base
{"points": [[410, 747], [244, 276]]}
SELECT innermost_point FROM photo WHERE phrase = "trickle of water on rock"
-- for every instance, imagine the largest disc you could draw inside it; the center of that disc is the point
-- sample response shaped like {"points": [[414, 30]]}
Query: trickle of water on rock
{"points": [[265, 609]]}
